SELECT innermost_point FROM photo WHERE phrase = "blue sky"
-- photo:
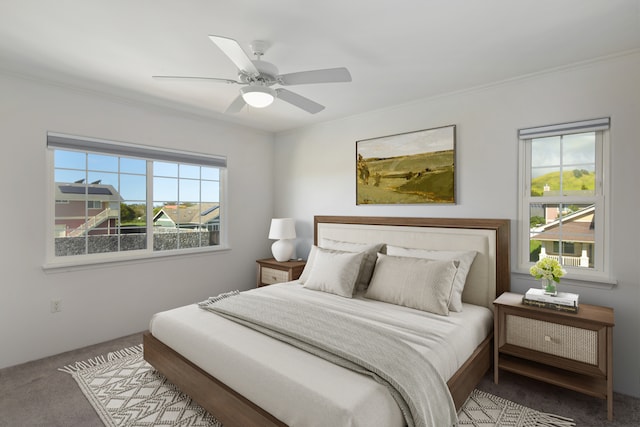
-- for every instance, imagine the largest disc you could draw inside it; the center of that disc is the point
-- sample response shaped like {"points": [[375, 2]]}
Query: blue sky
{"points": [[575, 152], [171, 181]]}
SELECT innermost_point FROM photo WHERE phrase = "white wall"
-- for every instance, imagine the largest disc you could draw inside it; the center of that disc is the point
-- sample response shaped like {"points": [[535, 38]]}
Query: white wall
{"points": [[315, 170], [106, 302]]}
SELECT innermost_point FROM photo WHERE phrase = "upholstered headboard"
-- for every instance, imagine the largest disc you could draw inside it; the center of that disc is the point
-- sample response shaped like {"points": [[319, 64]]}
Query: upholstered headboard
{"points": [[490, 272]]}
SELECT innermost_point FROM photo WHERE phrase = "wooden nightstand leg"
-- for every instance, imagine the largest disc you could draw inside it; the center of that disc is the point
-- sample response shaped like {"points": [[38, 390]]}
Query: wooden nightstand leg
{"points": [[496, 342], [610, 373]]}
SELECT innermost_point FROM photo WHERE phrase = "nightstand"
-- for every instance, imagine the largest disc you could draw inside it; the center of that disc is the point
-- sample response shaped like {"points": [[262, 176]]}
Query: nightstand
{"points": [[271, 271], [574, 351]]}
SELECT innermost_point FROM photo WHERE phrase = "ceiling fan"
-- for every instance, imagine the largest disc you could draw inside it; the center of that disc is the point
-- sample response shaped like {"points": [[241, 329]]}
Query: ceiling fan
{"points": [[257, 77]]}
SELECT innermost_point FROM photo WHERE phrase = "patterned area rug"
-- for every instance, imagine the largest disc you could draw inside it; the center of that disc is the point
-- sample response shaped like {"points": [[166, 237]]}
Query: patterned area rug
{"points": [[126, 391], [486, 410]]}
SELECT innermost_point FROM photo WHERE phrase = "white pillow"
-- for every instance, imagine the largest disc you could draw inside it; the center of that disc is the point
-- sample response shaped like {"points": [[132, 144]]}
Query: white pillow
{"points": [[335, 272], [368, 263], [464, 257], [309, 264], [413, 282]]}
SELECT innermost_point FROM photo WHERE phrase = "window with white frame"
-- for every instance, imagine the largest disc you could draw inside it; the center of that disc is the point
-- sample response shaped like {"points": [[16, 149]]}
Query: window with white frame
{"points": [[563, 197], [115, 200]]}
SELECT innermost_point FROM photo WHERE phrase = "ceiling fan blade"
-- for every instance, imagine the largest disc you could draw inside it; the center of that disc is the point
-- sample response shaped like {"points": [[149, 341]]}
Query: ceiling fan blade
{"points": [[236, 105], [299, 101], [329, 75], [232, 49], [229, 81]]}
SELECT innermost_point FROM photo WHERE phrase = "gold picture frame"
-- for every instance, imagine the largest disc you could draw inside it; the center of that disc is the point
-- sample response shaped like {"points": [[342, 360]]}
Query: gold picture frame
{"points": [[408, 168]]}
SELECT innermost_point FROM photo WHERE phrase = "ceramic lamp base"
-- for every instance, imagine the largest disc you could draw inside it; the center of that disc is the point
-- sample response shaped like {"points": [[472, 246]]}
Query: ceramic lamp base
{"points": [[282, 250]]}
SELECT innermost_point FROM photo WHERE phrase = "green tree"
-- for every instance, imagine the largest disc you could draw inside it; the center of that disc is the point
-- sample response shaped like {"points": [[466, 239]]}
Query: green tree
{"points": [[535, 221], [127, 213]]}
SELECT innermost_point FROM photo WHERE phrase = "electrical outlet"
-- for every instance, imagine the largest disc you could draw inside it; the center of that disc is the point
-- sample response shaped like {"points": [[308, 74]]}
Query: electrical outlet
{"points": [[56, 305]]}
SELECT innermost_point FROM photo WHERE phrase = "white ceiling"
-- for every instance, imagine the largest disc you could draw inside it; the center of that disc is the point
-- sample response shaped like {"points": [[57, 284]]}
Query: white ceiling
{"points": [[397, 51]]}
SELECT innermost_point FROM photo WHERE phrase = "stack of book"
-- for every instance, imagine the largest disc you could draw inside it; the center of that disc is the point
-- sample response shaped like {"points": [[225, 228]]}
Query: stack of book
{"points": [[563, 301]]}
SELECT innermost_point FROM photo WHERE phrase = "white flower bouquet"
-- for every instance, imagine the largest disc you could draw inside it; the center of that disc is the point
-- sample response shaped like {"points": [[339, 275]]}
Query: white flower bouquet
{"points": [[547, 269]]}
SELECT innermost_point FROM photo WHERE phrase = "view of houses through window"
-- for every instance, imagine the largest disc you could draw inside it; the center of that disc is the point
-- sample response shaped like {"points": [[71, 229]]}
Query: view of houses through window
{"points": [[565, 233], [108, 203]]}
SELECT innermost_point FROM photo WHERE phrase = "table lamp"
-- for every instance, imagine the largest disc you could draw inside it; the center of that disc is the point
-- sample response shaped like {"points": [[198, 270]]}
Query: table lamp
{"points": [[284, 230]]}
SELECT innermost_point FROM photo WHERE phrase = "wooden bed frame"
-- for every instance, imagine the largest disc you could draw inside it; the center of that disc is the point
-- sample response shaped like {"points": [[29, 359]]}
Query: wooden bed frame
{"points": [[233, 409]]}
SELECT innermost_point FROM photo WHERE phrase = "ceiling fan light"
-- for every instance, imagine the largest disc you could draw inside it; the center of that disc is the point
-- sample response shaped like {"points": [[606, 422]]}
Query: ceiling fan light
{"points": [[258, 96]]}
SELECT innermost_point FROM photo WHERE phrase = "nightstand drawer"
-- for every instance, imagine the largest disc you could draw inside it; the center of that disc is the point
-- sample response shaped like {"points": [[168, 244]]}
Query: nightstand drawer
{"points": [[271, 271], [552, 338], [270, 276]]}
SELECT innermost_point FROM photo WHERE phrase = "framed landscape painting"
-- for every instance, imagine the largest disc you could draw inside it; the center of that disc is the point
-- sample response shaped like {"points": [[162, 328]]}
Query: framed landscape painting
{"points": [[408, 168]]}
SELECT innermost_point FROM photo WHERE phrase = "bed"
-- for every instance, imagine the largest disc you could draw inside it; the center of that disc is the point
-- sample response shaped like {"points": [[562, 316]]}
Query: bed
{"points": [[252, 388]]}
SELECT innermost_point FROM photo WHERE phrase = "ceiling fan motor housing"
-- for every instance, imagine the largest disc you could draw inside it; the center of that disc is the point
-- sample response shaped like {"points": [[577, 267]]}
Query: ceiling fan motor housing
{"points": [[267, 76]]}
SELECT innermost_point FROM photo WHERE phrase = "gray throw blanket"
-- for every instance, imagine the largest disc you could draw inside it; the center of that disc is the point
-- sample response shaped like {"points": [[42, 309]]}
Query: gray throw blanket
{"points": [[421, 393]]}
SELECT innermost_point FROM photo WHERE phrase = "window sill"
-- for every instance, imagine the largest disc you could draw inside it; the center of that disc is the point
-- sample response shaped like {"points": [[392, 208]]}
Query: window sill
{"points": [[102, 260], [585, 281]]}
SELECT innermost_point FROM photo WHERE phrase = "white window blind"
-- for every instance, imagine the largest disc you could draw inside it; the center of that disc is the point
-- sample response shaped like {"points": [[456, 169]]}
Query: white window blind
{"points": [[55, 140], [565, 128]]}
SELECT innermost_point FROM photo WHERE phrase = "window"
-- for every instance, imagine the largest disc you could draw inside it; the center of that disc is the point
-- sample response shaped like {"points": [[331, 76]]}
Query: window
{"points": [[114, 200], [563, 197]]}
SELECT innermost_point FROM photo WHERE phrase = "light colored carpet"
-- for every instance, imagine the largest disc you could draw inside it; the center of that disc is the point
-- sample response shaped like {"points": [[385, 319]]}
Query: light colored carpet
{"points": [[126, 391]]}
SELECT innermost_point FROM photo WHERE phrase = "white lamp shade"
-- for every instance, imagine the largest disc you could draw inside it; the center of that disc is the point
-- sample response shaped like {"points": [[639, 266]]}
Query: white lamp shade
{"points": [[283, 229], [258, 96]]}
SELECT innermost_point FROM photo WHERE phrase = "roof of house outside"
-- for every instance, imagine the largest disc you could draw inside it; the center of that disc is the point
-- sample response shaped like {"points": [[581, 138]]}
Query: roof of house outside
{"points": [[199, 213], [94, 192], [576, 227]]}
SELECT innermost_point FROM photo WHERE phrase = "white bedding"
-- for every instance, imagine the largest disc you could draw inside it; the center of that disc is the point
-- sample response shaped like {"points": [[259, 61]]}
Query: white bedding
{"points": [[301, 389]]}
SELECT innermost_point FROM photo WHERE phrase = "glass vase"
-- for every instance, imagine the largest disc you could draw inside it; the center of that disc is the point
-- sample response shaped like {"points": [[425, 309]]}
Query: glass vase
{"points": [[549, 287]]}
